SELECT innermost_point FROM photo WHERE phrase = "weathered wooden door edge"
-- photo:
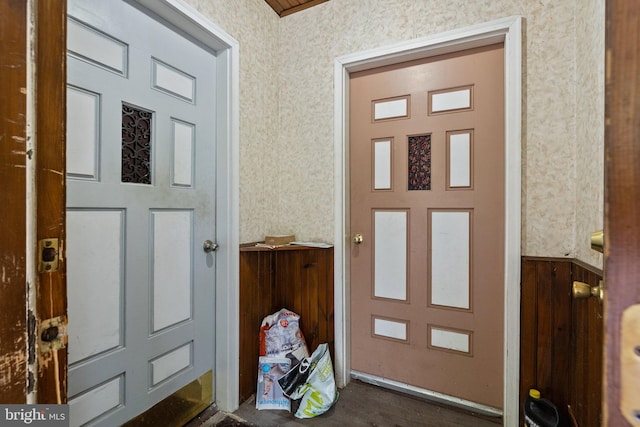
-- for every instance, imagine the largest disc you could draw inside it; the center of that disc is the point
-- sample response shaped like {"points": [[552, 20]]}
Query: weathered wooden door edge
{"points": [[13, 76], [34, 207], [622, 204], [49, 148]]}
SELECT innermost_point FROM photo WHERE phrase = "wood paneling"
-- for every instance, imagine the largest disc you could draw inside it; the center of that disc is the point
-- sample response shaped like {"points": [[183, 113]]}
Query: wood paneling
{"points": [[50, 160], [287, 7], [622, 185], [561, 338], [586, 344], [13, 159], [256, 301], [297, 278], [304, 284]]}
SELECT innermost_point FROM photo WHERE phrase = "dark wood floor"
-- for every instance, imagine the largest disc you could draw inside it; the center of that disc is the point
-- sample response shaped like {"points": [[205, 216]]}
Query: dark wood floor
{"points": [[362, 404]]}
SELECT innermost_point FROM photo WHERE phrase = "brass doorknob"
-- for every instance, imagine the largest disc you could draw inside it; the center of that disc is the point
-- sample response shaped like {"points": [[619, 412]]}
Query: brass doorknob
{"points": [[584, 290], [357, 238], [597, 241]]}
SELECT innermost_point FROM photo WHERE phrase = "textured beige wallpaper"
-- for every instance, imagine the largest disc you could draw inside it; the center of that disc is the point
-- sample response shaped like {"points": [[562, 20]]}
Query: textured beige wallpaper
{"points": [[256, 28], [287, 177], [590, 131]]}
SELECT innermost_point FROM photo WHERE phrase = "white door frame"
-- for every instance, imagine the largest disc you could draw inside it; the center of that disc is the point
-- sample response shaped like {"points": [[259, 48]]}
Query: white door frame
{"points": [[509, 31], [227, 329]]}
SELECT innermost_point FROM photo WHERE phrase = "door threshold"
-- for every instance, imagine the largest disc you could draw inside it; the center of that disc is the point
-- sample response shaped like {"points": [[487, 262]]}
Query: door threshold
{"points": [[433, 396], [180, 407]]}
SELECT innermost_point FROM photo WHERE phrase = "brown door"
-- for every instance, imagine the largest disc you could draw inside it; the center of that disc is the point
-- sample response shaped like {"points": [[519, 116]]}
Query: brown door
{"points": [[427, 210], [47, 371], [622, 215], [51, 299], [13, 77]]}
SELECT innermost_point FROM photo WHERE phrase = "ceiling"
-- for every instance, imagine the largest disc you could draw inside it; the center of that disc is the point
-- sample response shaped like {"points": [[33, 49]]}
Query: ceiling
{"points": [[287, 7]]}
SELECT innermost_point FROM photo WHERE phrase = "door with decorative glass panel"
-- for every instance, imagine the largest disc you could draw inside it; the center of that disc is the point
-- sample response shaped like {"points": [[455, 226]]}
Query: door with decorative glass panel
{"points": [[427, 200], [140, 204]]}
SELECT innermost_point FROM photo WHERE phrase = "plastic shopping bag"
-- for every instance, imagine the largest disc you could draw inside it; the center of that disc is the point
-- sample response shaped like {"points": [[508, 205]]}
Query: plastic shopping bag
{"points": [[297, 376], [269, 395], [319, 391]]}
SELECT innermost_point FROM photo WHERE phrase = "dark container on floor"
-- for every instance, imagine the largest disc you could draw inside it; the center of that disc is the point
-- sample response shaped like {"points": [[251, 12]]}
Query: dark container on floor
{"points": [[539, 412]]}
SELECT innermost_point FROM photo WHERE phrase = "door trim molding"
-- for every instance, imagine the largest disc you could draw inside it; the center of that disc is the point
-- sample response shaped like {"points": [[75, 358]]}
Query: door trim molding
{"points": [[509, 31], [191, 22]]}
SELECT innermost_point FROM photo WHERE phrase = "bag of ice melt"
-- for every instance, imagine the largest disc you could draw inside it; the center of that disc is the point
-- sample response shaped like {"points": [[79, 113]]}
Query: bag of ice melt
{"points": [[280, 336]]}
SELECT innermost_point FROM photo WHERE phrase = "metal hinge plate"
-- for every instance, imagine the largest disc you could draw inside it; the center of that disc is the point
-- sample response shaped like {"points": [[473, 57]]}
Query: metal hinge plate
{"points": [[630, 365]]}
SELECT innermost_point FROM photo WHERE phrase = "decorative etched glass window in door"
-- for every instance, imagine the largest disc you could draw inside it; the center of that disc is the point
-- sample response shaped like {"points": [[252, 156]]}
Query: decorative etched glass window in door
{"points": [[419, 162], [136, 145]]}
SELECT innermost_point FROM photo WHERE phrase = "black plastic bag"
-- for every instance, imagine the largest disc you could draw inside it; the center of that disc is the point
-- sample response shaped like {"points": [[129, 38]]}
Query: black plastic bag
{"points": [[296, 376]]}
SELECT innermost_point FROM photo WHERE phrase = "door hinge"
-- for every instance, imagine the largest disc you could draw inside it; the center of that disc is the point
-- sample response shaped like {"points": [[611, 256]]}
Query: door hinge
{"points": [[48, 255], [630, 365], [52, 334]]}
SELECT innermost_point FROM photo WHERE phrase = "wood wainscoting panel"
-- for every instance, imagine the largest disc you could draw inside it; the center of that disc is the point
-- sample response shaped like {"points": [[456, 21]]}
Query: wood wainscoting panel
{"points": [[297, 278], [586, 344], [304, 282], [561, 338], [256, 300]]}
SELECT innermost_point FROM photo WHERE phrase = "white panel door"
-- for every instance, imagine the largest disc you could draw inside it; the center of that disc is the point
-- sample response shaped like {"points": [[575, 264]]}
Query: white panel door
{"points": [[140, 200]]}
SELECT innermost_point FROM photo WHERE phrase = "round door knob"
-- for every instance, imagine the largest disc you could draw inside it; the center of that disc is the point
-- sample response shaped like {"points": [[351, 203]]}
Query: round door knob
{"points": [[357, 238], [584, 290], [209, 246]]}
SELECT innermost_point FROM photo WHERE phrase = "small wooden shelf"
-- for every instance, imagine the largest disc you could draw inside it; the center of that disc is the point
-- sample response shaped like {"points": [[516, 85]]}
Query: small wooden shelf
{"points": [[298, 278]]}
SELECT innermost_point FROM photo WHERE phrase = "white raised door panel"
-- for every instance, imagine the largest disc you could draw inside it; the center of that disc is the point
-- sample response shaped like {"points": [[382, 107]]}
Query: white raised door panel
{"points": [[390, 329], [450, 259], [95, 257], [382, 165], [96, 402], [83, 133], [170, 364], [450, 100], [391, 109], [460, 160], [171, 80], [390, 254], [97, 47], [450, 340], [183, 154], [172, 266]]}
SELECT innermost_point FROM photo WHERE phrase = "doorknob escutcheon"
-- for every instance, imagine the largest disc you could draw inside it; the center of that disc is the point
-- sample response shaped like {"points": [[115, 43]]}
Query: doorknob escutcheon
{"points": [[357, 238]]}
